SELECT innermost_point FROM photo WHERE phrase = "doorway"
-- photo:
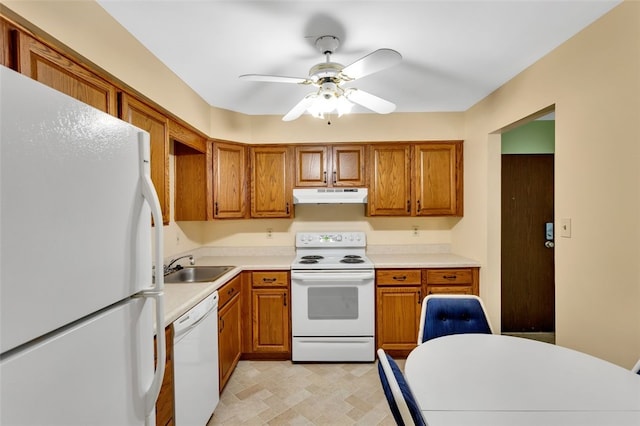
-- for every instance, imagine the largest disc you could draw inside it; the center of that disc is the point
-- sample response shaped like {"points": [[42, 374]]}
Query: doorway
{"points": [[527, 245]]}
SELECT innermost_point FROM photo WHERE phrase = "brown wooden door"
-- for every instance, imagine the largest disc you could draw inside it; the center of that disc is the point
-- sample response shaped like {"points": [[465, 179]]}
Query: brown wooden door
{"points": [[229, 343], [271, 182], [390, 184], [312, 166], [229, 181], [270, 319], [438, 179], [146, 118], [347, 166], [57, 71], [398, 316], [528, 287]]}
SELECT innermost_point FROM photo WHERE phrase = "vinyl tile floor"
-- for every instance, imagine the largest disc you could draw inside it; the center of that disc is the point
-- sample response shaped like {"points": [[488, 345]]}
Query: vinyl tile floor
{"points": [[284, 393]]}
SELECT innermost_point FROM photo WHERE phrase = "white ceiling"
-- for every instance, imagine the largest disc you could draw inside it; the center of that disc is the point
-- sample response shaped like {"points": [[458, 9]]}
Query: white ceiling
{"points": [[454, 52]]}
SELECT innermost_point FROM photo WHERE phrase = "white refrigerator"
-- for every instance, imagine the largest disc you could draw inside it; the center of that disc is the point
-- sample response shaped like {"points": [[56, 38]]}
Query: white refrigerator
{"points": [[78, 306]]}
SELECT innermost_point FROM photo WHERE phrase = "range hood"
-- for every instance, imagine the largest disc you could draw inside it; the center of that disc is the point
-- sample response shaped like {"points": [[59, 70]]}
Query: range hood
{"points": [[330, 195]]}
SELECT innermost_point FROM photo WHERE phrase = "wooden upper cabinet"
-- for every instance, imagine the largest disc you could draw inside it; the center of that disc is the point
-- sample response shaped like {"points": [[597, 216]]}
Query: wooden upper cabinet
{"points": [[271, 181], [437, 179], [312, 165], [229, 181], [6, 44], [348, 165], [50, 67], [330, 166], [389, 180], [192, 174], [143, 116]]}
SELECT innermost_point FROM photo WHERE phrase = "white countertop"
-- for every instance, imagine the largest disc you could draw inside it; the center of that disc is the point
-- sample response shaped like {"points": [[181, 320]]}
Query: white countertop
{"points": [[426, 260], [179, 298]]}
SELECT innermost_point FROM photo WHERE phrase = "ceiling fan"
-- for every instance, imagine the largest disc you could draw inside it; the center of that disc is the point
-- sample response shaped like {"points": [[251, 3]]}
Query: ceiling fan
{"points": [[328, 78]]}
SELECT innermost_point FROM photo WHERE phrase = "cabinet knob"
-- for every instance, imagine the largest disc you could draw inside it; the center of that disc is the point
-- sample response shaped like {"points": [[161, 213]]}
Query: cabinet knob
{"points": [[408, 206], [418, 206], [335, 177], [400, 278], [325, 177]]}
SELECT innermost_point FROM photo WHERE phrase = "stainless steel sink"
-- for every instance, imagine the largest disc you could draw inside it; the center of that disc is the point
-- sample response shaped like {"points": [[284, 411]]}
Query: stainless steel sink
{"points": [[196, 274]]}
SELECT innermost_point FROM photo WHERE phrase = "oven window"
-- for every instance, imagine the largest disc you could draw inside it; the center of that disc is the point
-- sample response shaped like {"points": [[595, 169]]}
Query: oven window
{"points": [[334, 303]]}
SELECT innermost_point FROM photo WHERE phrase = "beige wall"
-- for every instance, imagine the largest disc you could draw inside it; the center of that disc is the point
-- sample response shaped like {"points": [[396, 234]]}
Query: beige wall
{"points": [[594, 82]]}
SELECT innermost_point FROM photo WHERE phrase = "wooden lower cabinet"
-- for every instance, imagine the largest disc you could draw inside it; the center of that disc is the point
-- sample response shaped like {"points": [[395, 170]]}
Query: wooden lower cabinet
{"points": [[165, 405], [229, 330], [267, 330], [399, 296], [398, 304]]}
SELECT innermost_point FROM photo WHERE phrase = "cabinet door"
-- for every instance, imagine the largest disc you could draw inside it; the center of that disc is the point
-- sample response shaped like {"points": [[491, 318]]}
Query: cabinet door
{"points": [[270, 319], [438, 179], [146, 118], [390, 185], [49, 67], [7, 47], [229, 181], [398, 316], [228, 339], [271, 182], [312, 166], [348, 165]]}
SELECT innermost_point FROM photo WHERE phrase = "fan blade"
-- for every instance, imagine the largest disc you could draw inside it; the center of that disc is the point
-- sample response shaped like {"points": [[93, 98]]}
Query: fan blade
{"points": [[300, 107], [370, 101], [274, 78], [373, 62]]}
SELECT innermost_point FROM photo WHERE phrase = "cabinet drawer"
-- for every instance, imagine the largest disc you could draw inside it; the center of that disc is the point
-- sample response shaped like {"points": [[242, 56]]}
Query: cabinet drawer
{"points": [[449, 276], [398, 276], [227, 291], [449, 289], [270, 279]]}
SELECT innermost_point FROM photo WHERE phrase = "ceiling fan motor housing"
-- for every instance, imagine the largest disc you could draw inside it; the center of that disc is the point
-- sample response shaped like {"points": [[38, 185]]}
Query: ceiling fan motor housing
{"points": [[327, 44]]}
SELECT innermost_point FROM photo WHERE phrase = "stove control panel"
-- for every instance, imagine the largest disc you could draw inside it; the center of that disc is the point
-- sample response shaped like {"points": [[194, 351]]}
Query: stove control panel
{"points": [[331, 239]]}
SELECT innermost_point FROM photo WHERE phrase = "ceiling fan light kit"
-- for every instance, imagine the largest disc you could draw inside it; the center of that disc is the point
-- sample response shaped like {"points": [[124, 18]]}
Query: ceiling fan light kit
{"points": [[329, 76]]}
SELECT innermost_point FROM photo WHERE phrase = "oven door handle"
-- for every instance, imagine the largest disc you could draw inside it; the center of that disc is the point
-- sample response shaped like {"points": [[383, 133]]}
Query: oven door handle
{"points": [[331, 276]]}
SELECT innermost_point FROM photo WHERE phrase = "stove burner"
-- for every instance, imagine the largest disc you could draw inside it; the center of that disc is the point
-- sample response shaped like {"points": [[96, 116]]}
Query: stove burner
{"points": [[312, 257], [352, 256], [348, 259], [308, 261]]}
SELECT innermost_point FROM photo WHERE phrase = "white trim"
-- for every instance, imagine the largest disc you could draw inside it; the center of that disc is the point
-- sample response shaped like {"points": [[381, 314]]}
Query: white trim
{"points": [[395, 388]]}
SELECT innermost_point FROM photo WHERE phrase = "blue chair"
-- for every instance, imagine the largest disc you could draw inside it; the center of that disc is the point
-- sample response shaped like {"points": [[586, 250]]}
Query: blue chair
{"points": [[403, 405], [445, 314], [636, 368]]}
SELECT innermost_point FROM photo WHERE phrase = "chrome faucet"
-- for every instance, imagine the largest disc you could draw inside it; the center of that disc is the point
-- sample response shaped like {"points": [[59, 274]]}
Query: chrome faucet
{"points": [[168, 268]]}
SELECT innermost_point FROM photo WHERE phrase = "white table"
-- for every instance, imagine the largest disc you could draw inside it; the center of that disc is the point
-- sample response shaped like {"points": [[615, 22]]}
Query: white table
{"points": [[486, 379]]}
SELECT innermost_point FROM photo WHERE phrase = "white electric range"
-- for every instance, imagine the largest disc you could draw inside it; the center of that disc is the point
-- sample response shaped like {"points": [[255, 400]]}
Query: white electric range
{"points": [[332, 298]]}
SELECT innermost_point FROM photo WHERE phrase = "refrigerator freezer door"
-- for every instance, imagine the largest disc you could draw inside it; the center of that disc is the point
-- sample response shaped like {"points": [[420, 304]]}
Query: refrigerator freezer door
{"points": [[75, 232], [92, 373]]}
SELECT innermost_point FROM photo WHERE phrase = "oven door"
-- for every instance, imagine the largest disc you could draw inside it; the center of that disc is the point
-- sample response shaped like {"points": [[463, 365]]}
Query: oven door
{"points": [[332, 303]]}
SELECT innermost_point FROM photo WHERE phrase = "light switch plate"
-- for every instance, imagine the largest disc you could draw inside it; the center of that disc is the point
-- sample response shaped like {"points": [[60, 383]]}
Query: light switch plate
{"points": [[565, 227]]}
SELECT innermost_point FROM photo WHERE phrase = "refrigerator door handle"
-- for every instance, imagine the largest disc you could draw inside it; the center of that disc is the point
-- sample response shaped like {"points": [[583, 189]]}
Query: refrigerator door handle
{"points": [[157, 291]]}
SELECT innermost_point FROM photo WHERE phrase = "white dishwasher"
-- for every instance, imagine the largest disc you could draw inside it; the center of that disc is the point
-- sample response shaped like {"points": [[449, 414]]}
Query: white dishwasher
{"points": [[195, 357]]}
